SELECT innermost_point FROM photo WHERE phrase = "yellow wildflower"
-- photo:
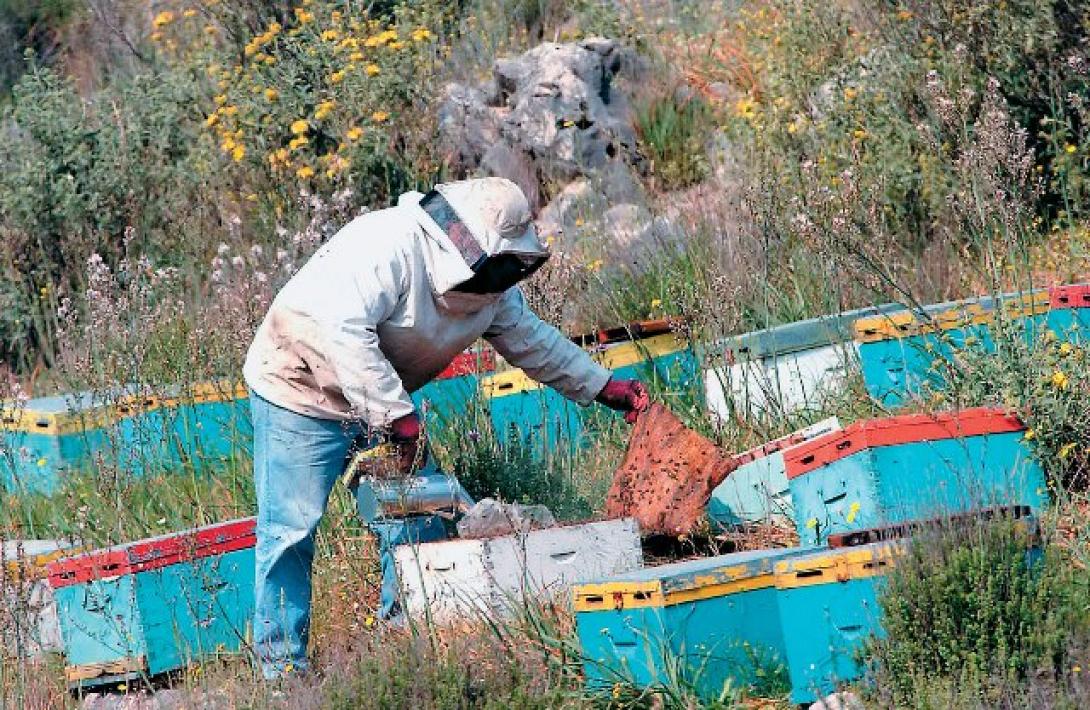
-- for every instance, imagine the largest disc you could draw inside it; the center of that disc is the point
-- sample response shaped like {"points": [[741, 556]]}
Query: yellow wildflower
{"points": [[238, 153], [1060, 380], [1076, 669], [271, 94], [270, 60], [859, 134], [189, 13], [1066, 349], [421, 34], [324, 109], [212, 119], [850, 93], [229, 110], [904, 15], [274, 29], [41, 462], [303, 16], [304, 172], [1065, 450], [349, 43], [853, 511], [1070, 148], [336, 77], [156, 36], [330, 35], [335, 16], [1030, 435], [372, 69], [579, 222], [354, 133], [617, 687], [210, 29], [379, 116], [793, 127], [298, 142], [746, 108], [396, 45], [369, 621], [163, 19], [355, 57], [656, 302], [812, 523], [300, 126], [220, 100], [596, 265]]}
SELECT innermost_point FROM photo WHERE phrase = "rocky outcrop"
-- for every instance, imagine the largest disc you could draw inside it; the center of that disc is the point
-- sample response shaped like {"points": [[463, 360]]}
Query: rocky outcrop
{"points": [[547, 117]]}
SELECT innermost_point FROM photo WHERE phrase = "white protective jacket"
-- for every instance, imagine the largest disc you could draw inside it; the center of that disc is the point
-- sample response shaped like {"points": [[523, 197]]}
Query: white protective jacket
{"points": [[371, 316]]}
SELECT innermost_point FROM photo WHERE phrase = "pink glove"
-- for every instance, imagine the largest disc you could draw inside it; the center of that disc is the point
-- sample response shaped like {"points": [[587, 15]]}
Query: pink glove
{"points": [[628, 396], [407, 435]]}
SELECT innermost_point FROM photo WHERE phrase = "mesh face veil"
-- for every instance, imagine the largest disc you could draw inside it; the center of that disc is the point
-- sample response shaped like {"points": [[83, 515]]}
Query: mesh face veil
{"points": [[491, 273]]}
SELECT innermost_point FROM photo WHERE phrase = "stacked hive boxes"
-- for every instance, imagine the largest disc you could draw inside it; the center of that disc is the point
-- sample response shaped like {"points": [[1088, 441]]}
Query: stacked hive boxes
{"points": [[155, 605], [674, 622]]}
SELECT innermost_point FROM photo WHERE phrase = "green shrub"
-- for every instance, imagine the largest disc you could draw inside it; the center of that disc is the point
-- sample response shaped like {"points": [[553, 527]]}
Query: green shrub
{"points": [[673, 134], [968, 605]]}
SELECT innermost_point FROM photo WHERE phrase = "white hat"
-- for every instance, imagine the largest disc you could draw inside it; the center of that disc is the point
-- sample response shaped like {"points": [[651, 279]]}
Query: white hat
{"points": [[497, 215]]}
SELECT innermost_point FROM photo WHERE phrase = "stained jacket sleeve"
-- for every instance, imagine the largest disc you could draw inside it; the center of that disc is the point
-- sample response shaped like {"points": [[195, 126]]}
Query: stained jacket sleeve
{"points": [[349, 325], [543, 352]]}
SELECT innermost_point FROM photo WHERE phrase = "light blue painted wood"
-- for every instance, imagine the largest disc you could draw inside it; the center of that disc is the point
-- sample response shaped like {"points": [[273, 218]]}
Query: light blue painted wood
{"points": [[732, 638], [825, 625], [890, 484]]}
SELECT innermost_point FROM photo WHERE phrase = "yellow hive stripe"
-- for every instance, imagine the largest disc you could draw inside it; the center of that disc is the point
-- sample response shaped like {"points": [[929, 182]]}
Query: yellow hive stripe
{"points": [[74, 422], [608, 596], [34, 566], [515, 381], [836, 567], [909, 323]]}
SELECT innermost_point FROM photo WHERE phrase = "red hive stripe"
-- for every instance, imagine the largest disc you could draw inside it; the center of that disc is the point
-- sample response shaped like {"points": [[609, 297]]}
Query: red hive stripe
{"points": [[892, 431], [153, 553]]}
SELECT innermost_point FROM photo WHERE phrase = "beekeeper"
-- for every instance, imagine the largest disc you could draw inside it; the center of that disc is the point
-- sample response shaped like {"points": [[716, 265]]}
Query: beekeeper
{"points": [[374, 315]]}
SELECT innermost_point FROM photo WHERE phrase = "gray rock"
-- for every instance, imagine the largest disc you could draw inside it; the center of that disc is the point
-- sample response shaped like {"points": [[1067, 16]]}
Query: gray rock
{"points": [[554, 109]]}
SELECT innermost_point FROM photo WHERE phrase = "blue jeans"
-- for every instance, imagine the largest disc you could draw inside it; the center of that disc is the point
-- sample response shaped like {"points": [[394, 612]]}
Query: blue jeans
{"points": [[297, 459]]}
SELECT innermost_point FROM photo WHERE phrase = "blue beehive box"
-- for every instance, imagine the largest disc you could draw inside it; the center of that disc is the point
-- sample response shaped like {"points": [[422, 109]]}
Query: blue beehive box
{"points": [[140, 433], [909, 467], [757, 491], [904, 354], [828, 606], [48, 436], [155, 605], [706, 622], [536, 414]]}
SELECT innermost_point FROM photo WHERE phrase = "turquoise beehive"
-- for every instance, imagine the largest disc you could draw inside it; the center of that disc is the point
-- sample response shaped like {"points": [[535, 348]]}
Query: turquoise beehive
{"points": [[155, 605], [828, 602], [909, 467], [526, 411], [906, 354], [705, 623], [48, 438]]}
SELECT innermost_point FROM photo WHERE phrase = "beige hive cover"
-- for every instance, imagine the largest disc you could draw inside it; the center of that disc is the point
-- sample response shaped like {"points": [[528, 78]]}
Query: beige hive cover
{"points": [[667, 475]]}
